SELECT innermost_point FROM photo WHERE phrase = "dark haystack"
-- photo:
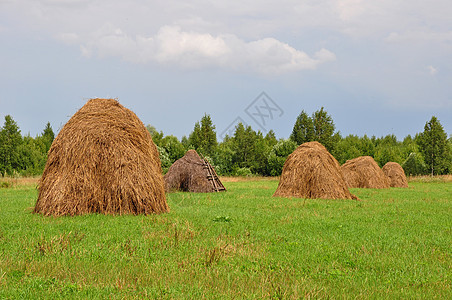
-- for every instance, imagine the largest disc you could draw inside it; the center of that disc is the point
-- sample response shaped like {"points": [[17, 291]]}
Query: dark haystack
{"points": [[312, 172], [191, 173], [364, 172], [102, 161], [396, 175]]}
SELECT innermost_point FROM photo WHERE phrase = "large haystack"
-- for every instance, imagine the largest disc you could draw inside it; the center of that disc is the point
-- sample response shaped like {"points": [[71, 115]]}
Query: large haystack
{"points": [[364, 172], [191, 173], [396, 175], [102, 161], [312, 172]]}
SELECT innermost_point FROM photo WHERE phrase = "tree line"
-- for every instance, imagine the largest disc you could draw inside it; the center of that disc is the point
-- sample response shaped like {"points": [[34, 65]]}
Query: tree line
{"points": [[23, 155], [249, 152]]}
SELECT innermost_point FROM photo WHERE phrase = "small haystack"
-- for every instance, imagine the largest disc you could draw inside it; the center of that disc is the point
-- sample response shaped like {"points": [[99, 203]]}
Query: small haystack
{"points": [[312, 172], [364, 172], [102, 161], [396, 175], [191, 173]]}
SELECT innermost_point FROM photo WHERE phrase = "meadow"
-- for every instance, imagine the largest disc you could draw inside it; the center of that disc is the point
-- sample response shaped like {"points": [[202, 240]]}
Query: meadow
{"points": [[241, 244]]}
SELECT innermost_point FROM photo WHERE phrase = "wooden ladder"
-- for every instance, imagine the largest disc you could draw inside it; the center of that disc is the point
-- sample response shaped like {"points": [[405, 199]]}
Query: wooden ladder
{"points": [[213, 177]]}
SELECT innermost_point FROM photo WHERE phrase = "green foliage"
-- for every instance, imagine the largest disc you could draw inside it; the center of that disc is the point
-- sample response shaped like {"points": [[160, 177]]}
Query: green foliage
{"points": [[387, 149], [194, 139], [270, 138], [433, 145], [169, 147], [33, 155], [156, 136], [10, 141], [243, 172], [224, 157], [23, 155], [173, 147], [204, 138], [320, 127], [386, 154], [414, 165], [243, 145], [262, 147], [408, 146], [251, 150], [246, 150], [208, 136], [184, 141], [324, 129], [353, 146], [48, 136], [348, 148], [367, 147], [164, 159], [449, 158], [303, 130], [278, 155]]}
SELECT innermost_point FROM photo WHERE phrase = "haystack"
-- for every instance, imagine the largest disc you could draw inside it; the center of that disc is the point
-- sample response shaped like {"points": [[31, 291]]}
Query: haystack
{"points": [[102, 161], [364, 172], [191, 173], [396, 175], [312, 172]]}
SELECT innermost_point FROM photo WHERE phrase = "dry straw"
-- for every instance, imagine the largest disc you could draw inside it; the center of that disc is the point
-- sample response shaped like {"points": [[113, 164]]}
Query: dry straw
{"points": [[191, 174], [312, 172], [102, 161], [395, 174], [364, 172]]}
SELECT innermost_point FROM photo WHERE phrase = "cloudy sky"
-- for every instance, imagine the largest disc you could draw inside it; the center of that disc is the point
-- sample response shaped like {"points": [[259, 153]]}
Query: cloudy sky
{"points": [[378, 67]]}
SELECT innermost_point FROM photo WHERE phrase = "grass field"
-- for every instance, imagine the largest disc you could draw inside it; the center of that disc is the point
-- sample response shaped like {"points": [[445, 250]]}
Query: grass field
{"points": [[241, 244]]}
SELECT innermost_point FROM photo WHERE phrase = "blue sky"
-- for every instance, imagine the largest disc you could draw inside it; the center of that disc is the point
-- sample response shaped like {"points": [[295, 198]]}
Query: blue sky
{"points": [[378, 67]]}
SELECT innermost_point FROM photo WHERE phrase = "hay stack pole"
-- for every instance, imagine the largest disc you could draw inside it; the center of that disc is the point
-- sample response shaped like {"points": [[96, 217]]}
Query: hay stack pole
{"points": [[102, 161]]}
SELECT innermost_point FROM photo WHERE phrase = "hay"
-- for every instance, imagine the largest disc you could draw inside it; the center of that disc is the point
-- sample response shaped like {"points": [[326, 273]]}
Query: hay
{"points": [[396, 175], [312, 172], [364, 172], [102, 161], [190, 174]]}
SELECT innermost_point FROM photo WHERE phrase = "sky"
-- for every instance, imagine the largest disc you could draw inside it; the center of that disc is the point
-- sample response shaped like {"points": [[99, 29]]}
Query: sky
{"points": [[377, 67]]}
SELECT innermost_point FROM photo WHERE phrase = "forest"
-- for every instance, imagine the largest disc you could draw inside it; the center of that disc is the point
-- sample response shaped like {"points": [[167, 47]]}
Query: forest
{"points": [[248, 152]]}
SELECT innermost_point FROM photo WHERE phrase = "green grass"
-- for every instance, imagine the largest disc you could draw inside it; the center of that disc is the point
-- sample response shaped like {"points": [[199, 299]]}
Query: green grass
{"points": [[241, 244]]}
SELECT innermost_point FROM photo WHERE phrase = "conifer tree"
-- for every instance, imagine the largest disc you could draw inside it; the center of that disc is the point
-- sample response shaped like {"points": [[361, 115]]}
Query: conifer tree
{"points": [[433, 145], [204, 138], [10, 140], [303, 130]]}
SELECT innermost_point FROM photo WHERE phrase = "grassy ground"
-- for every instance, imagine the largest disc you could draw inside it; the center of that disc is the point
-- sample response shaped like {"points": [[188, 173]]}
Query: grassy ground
{"points": [[242, 244]]}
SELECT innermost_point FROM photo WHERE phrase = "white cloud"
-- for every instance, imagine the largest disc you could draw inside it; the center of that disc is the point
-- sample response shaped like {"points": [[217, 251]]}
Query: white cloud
{"points": [[266, 36], [432, 70], [267, 15], [171, 45], [174, 45]]}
